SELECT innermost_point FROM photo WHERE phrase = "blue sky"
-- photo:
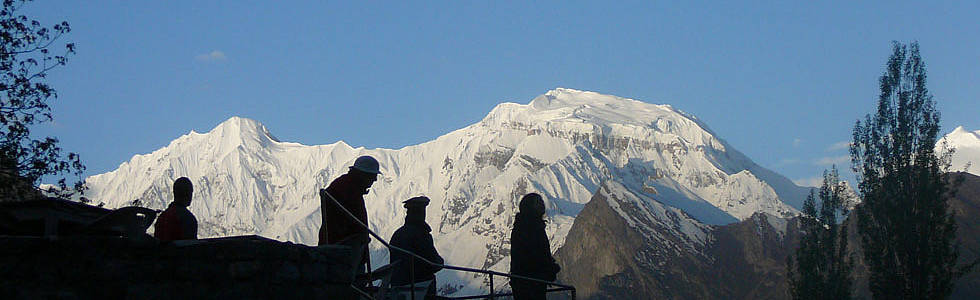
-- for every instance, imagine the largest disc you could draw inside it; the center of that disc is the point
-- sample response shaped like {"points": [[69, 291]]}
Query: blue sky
{"points": [[781, 81]]}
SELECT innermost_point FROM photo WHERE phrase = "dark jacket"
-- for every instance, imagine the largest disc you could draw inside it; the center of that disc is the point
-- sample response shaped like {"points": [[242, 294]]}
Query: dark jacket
{"points": [[350, 193], [530, 253], [175, 223], [414, 236]]}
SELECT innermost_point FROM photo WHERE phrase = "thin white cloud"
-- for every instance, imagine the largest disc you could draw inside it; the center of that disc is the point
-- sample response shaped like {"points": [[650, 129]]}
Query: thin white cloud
{"points": [[215, 55], [839, 146], [833, 160], [811, 182], [797, 142]]}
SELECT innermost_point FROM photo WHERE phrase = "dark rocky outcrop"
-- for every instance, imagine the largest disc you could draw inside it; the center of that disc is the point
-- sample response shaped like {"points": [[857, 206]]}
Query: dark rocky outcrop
{"points": [[600, 245], [967, 210], [748, 260], [606, 258], [249, 267]]}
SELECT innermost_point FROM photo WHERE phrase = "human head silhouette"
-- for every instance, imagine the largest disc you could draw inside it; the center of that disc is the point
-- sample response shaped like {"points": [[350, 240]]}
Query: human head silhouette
{"points": [[416, 207], [532, 205], [365, 170], [183, 189]]}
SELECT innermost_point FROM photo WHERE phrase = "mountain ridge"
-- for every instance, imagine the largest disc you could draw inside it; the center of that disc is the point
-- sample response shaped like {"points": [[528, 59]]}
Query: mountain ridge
{"points": [[563, 144]]}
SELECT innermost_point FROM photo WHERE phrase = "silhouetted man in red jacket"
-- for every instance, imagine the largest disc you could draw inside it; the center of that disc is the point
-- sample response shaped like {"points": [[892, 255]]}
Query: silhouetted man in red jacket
{"points": [[176, 222]]}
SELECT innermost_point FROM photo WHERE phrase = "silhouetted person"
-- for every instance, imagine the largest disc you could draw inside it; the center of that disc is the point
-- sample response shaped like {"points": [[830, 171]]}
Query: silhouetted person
{"points": [[176, 222], [530, 252], [349, 189], [414, 236]]}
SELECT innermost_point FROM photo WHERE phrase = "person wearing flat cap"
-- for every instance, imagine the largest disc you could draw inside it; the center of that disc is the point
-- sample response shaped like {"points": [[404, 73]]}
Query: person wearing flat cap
{"points": [[415, 236]]}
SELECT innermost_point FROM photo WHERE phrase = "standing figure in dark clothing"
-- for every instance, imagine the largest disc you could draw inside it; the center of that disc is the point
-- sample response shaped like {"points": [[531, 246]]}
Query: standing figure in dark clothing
{"points": [[414, 236], [530, 252], [177, 222], [349, 189]]}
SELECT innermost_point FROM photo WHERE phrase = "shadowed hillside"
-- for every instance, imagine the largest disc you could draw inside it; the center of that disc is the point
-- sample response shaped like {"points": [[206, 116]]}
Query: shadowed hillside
{"points": [[744, 260]]}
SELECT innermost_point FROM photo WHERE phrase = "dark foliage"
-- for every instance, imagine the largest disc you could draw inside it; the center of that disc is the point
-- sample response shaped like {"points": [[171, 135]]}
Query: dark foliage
{"points": [[25, 60], [907, 231], [821, 267]]}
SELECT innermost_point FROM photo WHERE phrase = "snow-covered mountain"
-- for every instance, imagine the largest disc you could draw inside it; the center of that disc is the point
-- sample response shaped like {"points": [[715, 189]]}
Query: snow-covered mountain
{"points": [[562, 144], [967, 146]]}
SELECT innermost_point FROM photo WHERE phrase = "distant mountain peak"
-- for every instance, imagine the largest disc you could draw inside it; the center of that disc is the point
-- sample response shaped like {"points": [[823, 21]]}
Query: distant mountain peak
{"points": [[578, 97], [238, 129], [241, 125], [966, 146], [565, 98], [591, 112], [962, 136]]}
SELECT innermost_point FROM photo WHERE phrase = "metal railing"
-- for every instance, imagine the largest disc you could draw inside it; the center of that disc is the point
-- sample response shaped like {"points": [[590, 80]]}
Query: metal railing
{"points": [[557, 286]]}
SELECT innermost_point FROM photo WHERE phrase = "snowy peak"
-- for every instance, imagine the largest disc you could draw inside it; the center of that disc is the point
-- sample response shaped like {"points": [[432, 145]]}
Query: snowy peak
{"points": [[605, 110], [238, 130], [964, 138], [966, 145], [658, 146], [574, 106], [614, 108], [238, 124], [575, 115]]}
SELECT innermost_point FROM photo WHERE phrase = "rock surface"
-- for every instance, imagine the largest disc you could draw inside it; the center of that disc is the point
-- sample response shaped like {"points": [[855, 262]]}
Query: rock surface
{"points": [[744, 260], [117, 268]]}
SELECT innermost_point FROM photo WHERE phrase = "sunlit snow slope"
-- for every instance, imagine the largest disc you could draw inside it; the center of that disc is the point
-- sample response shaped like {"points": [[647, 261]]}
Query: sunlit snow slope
{"points": [[967, 150], [562, 144]]}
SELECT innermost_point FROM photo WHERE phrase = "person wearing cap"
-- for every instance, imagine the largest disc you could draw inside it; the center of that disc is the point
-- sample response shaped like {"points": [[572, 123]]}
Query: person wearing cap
{"points": [[177, 222], [530, 252], [349, 189], [415, 236]]}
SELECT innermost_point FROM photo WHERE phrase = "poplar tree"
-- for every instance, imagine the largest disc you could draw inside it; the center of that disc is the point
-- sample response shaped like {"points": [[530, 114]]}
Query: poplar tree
{"points": [[907, 230], [821, 267]]}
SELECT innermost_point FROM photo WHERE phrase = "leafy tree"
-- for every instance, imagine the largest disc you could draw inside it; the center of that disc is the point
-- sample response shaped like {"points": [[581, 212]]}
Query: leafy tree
{"points": [[25, 60], [822, 267], [904, 221]]}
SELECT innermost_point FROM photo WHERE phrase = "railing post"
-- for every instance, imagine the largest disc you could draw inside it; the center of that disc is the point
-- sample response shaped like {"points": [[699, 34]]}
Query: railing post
{"points": [[491, 286], [411, 272]]}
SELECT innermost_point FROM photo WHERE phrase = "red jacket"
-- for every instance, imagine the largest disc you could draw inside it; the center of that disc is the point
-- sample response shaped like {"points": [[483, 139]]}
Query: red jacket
{"points": [[175, 223], [350, 193]]}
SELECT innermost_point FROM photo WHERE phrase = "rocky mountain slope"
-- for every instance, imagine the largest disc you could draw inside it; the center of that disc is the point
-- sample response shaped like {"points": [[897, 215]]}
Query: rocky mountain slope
{"points": [[687, 260], [743, 260], [562, 144], [967, 210]]}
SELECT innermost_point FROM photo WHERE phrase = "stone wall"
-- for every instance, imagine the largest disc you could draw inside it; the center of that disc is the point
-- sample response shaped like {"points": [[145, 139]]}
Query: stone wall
{"points": [[247, 267]]}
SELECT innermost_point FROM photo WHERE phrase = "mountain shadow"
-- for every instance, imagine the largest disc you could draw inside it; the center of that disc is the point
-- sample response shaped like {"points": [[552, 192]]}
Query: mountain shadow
{"points": [[608, 255]]}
